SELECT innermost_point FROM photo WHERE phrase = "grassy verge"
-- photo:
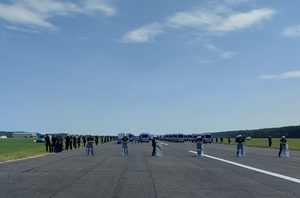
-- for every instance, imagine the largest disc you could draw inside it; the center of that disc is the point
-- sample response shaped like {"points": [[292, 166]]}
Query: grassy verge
{"points": [[294, 143], [11, 149]]}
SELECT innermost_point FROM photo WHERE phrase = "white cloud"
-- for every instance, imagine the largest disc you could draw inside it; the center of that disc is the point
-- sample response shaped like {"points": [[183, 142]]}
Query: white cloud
{"points": [[291, 32], [220, 19], [213, 19], [143, 34], [285, 75], [35, 13], [221, 52], [243, 20]]}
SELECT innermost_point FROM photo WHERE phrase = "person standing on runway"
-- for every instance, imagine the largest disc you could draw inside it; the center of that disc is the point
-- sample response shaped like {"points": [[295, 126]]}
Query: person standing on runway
{"points": [[89, 146], [199, 143], [47, 143], [154, 146], [125, 145], [283, 142]]}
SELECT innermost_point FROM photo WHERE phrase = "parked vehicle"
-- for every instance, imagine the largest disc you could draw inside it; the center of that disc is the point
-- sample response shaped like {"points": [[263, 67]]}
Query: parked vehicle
{"points": [[180, 138], [207, 138], [120, 136], [144, 137], [41, 138]]}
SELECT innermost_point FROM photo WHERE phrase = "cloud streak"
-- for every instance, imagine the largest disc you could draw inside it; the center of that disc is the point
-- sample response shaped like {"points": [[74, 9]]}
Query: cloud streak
{"points": [[291, 32], [222, 53], [285, 75], [36, 13], [143, 34], [209, 21], [219, 20]]}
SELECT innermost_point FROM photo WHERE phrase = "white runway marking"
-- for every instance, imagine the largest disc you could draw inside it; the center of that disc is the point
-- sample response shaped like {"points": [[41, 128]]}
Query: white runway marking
{"points": [[164, 143], [254, 169]]}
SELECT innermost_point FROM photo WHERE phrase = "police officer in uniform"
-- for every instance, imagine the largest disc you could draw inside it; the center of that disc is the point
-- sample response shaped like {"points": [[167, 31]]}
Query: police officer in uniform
{"points": [[47, 143], [240, 140], [199, 144], [89, 146], [283, 143], [125, 145], [153, 146]]}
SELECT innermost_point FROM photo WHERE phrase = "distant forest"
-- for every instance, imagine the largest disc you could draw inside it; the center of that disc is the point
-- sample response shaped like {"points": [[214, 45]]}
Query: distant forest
{"points": [[288, 131]]}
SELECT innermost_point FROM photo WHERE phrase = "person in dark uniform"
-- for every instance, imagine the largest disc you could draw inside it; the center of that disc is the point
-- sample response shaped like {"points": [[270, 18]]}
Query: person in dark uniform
{"points": [[67, 143], [53, 140], [154, 146], [84, 140], [89, 146], [71, 143], [47, 143], [270, 141], [96, 140], [283, 142], [74, 142], [78, 141], [229, 140]]}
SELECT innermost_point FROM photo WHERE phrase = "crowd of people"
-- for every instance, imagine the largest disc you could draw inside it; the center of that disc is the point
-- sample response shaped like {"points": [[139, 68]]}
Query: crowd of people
{"points": [[57, 143]]}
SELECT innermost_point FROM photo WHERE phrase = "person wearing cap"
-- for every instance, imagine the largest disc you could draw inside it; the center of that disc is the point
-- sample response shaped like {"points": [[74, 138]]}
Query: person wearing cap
{"points": [[283, 142], [199, 143]]}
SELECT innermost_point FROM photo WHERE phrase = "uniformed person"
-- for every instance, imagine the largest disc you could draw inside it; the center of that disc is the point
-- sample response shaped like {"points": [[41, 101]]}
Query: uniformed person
{"points": [[47, 143], [283, 142], [240, 140], [199, 143], [125, 145], [89, 146]]}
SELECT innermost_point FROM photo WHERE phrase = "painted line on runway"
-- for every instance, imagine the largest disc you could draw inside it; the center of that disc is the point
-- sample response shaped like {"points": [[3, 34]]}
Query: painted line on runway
{"points": [[252, 168], [164, 143]]}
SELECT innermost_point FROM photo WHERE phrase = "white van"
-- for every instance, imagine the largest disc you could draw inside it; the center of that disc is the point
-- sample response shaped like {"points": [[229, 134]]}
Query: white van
{"points": [[120, 136]]}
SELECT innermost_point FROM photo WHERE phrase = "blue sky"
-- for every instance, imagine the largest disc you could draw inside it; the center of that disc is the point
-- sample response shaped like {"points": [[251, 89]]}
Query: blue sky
{"points": [[110, 66]]}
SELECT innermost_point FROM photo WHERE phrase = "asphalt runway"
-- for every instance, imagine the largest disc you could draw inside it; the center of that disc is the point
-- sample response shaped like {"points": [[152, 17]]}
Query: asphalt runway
{"points": [[178, 173]]}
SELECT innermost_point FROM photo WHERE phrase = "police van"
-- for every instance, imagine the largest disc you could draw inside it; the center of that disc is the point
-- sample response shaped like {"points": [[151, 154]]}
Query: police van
{"points": [[120, 136], [207, 138], [144, 137]]}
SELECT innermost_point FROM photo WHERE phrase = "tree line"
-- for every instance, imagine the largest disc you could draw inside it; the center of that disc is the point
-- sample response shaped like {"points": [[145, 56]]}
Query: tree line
{"points": [[288, 131]]}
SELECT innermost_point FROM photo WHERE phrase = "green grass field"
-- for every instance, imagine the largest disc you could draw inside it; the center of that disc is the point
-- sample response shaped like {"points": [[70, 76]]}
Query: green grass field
{"points": [[11, 149], [294, 143]]}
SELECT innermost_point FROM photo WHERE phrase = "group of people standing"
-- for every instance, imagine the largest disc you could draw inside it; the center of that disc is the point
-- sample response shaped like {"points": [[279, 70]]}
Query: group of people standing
{"points": [[56, 143], [240, 141], [125, 142]]}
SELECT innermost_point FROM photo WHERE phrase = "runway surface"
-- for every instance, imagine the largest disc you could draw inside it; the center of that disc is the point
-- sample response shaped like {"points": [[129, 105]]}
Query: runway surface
{"points": [[178, 173]]}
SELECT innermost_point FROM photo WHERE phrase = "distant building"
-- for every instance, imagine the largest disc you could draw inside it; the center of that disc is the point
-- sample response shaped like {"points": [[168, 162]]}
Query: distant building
{"points": [[24, 135], [3, 137]]}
